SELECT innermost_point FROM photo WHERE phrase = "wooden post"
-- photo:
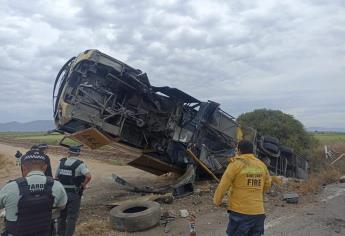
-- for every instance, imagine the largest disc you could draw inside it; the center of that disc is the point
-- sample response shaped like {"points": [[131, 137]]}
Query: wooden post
{"points": [[341, 156], [203, 166]]}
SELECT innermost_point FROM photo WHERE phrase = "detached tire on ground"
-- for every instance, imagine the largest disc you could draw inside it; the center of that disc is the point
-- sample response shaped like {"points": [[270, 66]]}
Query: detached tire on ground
{"points": [[135, 216]]}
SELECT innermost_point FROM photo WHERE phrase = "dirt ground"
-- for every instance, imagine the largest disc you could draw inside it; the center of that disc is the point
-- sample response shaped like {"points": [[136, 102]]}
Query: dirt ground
{"points": [[210, 220]]}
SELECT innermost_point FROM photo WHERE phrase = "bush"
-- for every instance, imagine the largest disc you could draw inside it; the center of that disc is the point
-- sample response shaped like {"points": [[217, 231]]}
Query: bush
{"points": [[285, 127]]}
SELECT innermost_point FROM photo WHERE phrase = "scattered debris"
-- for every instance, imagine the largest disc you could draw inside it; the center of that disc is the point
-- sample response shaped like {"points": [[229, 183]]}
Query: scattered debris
{"points": [[197, 197], [342, 179], [192, 226], [166, 229], [184, 213], [166, 218], [336, 224], [130, 187], [197, 191], [182, 187], [172, 213], [291, 197], [205, 187]]}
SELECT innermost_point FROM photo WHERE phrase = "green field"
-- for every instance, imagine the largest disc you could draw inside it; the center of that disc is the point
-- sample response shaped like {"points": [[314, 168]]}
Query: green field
{"points": [[37, 137], [330, 138], [54, 139]]}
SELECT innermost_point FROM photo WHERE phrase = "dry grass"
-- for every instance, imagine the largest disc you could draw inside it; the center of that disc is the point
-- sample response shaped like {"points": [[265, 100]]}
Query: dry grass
{"points": [[97, 226], [311, 186], [322, 173], [3, 161], [317, 180], [5, 165], [339, 147]]}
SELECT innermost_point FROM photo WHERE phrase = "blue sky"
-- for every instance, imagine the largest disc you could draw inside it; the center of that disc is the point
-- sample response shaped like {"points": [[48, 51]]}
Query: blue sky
{"points": [[286, 55]]}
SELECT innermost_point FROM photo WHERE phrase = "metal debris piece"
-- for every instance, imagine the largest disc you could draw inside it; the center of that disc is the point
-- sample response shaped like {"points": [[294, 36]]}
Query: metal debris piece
{"points": [[164, 198], [91, 137], [203, 166], [130, 187], [99, 100], [182, 186], [342, 179], [332, 155], [291, 197], [184, 213], [166, 218], [153, 165]]}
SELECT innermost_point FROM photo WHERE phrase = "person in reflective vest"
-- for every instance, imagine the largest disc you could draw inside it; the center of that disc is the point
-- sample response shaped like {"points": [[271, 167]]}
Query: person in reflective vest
{"points": [[29, 200], [74, 176]]}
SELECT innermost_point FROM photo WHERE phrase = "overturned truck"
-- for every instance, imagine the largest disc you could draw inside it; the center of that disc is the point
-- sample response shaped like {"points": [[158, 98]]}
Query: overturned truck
{"points": [[102, 100]]}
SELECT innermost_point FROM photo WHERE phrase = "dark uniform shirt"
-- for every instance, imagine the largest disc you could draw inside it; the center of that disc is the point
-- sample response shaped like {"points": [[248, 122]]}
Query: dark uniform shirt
{"points": [[48, 171]]}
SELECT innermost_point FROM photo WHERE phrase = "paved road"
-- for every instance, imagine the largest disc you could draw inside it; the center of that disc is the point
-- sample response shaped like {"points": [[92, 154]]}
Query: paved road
{"points": [[326, 217]]}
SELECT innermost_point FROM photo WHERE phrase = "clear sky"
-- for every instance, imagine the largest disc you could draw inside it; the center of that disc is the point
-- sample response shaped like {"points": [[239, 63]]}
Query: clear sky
{"points": [[287, 55]]}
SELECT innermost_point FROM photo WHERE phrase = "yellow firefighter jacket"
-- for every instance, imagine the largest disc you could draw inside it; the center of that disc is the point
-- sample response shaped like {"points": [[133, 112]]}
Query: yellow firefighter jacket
{"points": [[245, 179]]}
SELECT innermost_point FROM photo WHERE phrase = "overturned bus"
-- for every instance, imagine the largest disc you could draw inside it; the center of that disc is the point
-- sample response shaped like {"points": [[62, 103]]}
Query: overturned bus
{"points": [[101, 101]]}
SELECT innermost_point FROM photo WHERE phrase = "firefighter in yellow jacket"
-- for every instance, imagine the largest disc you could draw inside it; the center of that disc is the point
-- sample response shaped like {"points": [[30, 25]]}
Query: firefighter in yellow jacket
{"points": [[245, 180]]}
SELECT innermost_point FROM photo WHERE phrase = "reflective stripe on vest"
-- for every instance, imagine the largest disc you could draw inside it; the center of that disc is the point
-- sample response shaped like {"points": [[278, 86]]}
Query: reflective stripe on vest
{"points": [[66, 173]]}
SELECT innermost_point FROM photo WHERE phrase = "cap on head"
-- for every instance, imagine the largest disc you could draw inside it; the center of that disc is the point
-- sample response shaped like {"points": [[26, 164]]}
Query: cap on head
{"points": [[18, 154], [74, 150], [34, 148], [33, 155], [42, 146]]}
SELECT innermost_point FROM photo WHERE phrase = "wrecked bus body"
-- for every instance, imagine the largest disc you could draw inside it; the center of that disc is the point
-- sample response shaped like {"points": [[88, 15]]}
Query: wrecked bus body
{"points": [[100, 100]]}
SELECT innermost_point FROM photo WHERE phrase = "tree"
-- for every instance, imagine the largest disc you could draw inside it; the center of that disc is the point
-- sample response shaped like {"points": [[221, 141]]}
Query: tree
{"points": [[285, 127]]}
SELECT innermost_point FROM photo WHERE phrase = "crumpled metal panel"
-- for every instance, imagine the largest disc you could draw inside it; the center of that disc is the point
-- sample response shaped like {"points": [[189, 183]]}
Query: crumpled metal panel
{"points": [[153, 165], [187, 179], [91, 138]]}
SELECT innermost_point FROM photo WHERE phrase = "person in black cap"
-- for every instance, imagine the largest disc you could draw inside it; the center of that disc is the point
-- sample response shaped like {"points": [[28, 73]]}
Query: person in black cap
{"points": [[43, 149], [29, 200], [18, 155], [74, 176]]}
